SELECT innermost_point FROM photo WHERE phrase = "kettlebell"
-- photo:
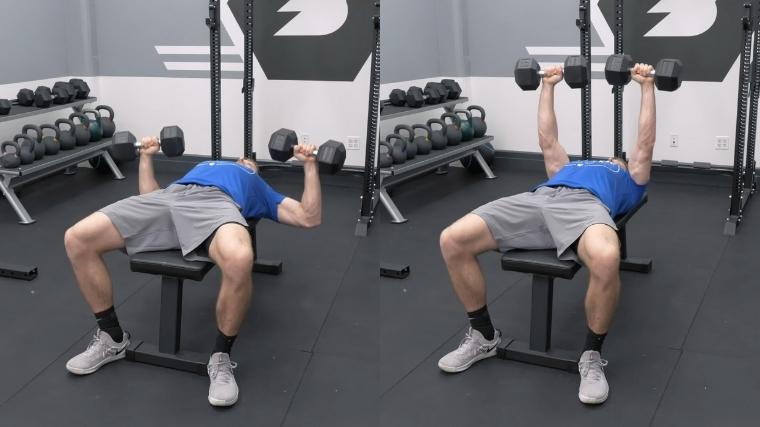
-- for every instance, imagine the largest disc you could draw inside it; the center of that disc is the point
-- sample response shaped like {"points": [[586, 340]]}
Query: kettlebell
{"points": [[96, 130], [39, 147], [398, 150], [384, 158], [67, 138], [106, 122], [438, 137], [52, 143], [411, 147], [453, 130], [26, 148], [479, 126], [10, 158], [466, 125], [423, 141], [81, 130]]}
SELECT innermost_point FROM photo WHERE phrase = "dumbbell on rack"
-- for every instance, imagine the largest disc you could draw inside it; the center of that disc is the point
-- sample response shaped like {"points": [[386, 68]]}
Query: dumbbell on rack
{"points": [[44, 96], [667, 73], [25, 98], [528, 73], [82, 88], [331, 155]]}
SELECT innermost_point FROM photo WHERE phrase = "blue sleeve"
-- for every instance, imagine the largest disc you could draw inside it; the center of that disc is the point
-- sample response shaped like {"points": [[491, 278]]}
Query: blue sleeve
{"points": [[273, 200], [635, 194]]}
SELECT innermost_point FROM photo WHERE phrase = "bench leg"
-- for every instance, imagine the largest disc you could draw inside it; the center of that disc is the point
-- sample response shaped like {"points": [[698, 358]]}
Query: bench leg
{"points": [[167, 353], [538, 351], [638, 265]]}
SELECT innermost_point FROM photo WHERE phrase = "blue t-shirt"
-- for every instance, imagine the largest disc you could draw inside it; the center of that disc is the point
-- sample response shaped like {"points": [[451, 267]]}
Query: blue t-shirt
{"points": [[608, 181], [254, 196]]}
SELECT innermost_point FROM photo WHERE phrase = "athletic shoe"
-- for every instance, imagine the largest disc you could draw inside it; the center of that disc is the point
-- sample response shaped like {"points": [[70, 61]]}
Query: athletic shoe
{"points": [[223, 390], [594, 388], [101, 350], [473, 347]]}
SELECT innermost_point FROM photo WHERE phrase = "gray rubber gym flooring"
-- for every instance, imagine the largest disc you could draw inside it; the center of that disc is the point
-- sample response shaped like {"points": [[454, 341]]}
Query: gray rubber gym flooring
{"points": [[327, 343]]}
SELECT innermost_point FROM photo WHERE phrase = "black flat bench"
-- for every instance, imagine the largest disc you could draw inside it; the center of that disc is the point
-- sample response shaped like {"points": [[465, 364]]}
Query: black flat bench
{"points": [[545, 267], [174, 270]]}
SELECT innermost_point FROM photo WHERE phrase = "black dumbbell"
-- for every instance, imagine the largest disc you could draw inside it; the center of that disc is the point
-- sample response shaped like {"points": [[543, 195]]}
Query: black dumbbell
{"points": [[440, 89], [83, 89], [416, 97], [667, 73], [25, 98], [126, 146], [398, 97], [528, 73], [44, 96], [331, 155], [455, 91], [5, 107], [69, 88]]}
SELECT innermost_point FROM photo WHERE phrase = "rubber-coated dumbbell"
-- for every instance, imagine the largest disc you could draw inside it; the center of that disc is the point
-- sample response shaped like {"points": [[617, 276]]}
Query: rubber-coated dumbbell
{"points": [[455, 91], [331, 155], [416, 97], [69, 88], [25, 98], [44, 96], [83, 89], [397, 98], [528, 73], [440, 89], [667, 73]]}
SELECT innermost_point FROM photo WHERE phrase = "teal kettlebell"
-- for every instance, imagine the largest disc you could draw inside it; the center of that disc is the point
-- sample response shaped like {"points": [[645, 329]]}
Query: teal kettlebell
{"points": [[467, 130], [96, 127]]}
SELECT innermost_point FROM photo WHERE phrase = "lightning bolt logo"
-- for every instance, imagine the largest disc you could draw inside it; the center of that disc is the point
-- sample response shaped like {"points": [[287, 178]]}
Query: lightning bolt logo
{"points": [[683, 18], [314, 17]]}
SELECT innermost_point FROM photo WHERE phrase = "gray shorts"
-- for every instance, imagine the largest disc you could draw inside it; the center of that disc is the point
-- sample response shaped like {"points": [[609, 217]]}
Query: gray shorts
{"points": [[544, 219], [177, 217]]}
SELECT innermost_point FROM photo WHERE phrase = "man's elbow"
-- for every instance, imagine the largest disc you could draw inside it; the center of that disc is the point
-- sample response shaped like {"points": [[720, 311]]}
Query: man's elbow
{"points": [[307, 220]]}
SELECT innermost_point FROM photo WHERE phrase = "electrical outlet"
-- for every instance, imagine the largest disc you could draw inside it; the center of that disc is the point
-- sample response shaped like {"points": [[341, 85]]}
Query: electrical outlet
{"points": [[353, 143], [721, 143], [673, 140], [305, 138]]}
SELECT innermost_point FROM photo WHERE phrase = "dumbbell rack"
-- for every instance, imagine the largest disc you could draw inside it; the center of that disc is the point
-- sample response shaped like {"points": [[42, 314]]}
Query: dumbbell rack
{"points": [[435, 160], [10, 179]]}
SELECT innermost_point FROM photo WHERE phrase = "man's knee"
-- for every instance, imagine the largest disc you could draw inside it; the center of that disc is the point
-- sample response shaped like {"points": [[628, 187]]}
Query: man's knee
{"points": [[604, 260], [236, 260]]}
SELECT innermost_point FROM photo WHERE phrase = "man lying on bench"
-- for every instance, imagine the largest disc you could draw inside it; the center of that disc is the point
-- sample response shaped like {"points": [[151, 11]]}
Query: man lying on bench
{"points": [[573, 212], [205, 215]]}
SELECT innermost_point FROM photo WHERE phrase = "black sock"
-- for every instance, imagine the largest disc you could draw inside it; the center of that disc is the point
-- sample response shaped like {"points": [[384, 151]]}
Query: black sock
{"points": [[223, 343], [481, 322], [109, 323], [594, 341]]}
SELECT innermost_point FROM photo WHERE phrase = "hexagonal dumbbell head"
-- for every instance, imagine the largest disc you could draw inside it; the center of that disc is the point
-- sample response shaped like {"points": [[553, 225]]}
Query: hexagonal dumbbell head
{"points": [[668, 74], [617, 69], [331, 156], [455, 91], [71, 93], [5, 107], [281, 144], [172, 141], [439, 89], [526, 73], [398, 97], [83, 89], [123, 147], [576, 72], [414, 97], [25, 97], [43, 97]]}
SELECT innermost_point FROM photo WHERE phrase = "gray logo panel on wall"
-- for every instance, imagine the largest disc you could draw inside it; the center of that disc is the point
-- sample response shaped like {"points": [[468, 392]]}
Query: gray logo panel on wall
{"points": [[338, 56], [707, 56]]}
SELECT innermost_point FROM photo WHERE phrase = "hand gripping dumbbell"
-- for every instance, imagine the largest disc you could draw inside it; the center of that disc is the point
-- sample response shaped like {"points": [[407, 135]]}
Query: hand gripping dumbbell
{"points": [[125, 145], [528, 73], [331, 155], [667, 73]]}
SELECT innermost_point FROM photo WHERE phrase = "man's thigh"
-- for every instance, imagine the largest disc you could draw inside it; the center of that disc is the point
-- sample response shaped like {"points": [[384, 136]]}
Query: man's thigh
{"points": [[515, 222]]}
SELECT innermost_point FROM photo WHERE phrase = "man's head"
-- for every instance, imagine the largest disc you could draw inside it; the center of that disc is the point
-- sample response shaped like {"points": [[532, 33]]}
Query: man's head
{"points": [[619, 161], [248, 163]]}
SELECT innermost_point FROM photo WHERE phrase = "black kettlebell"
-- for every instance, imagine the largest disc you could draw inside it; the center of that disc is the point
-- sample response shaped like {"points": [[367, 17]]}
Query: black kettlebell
{"points": [[52, 143], [106, 122], [26, 148], [82, 129], [67, 138], [398, 150], [479, 126], [39, 147], [438, 137], [453, 130], [384, 158], [10, 158], [466, 125], [96, 129], [423, 141], [411, 147]]}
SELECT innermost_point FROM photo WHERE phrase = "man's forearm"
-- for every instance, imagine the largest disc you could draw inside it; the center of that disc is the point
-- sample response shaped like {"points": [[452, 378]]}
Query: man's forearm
{"points": [[147, 179], [547, 119], [311, 201], [647, 119]]}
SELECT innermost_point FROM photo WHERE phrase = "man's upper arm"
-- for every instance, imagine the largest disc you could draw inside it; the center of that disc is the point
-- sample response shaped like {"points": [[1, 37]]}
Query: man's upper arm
{"points": [[555, 156], [290, 212]]}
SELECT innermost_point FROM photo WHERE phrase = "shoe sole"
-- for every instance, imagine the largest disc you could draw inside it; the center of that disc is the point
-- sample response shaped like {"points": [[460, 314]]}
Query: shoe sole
{"points": [[593, 400], [114, 358], [219, 402], [466, 366]]}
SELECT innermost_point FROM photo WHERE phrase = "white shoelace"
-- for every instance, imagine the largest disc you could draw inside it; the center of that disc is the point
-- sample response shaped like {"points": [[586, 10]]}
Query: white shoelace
{"points": [[592, 369], [466, 340], [217, 369]]}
